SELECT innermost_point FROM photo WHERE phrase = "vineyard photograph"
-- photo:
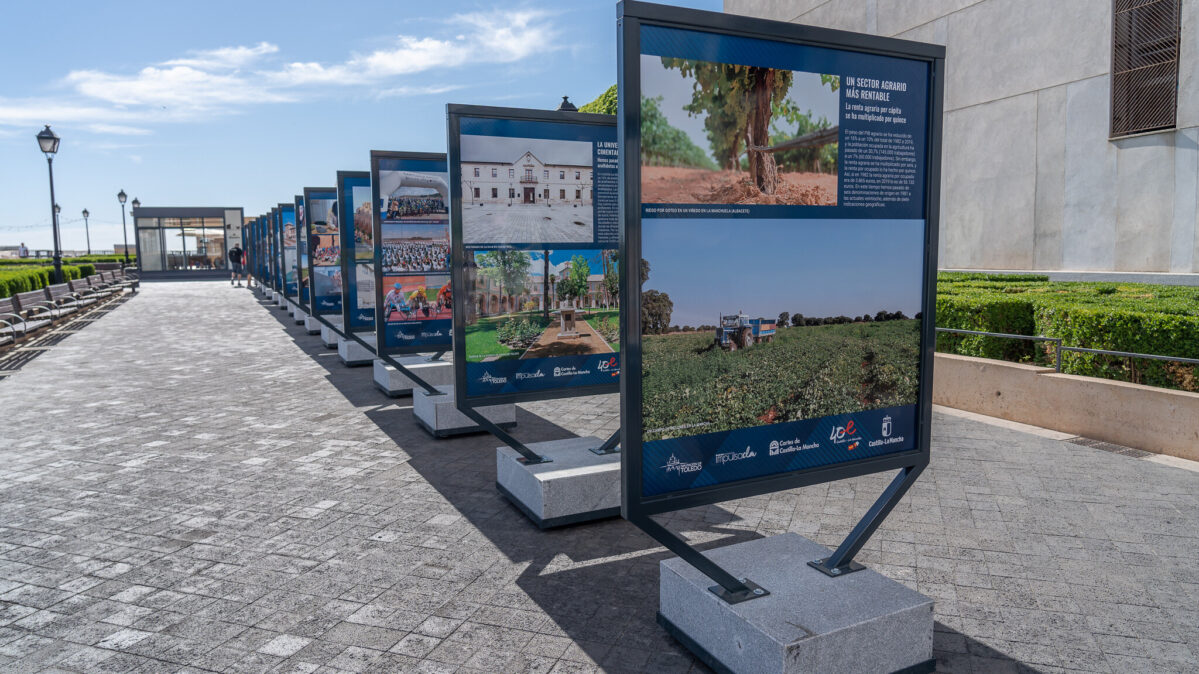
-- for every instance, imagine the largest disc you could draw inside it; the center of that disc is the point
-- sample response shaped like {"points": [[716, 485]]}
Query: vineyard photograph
{"points": [[691, 385], [720, 133]]}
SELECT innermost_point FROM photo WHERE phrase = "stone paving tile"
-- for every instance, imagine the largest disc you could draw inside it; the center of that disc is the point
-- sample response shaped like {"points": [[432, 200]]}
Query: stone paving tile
{"points": [[222, 495]]}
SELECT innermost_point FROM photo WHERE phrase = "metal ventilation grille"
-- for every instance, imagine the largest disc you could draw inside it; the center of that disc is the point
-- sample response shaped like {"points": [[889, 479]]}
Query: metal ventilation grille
{"points": [[1145, 38]]}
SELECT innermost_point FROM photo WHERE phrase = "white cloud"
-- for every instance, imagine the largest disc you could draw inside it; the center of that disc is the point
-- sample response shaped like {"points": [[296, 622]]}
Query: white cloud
{"points": [[118, 130], [225, 80], [225, 57], [197, 89], [417, 91]]}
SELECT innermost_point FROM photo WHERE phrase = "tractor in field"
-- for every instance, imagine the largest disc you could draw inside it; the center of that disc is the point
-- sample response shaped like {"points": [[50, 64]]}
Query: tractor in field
{"points": [[739, 331]]}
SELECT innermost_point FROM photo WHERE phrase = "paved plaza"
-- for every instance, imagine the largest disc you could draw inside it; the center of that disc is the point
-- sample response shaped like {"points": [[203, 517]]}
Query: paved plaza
{"points": [[191, 483], [525, 223]]}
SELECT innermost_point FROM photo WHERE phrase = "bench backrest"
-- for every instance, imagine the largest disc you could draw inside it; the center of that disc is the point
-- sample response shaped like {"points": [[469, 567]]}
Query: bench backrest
{"points": [[59, 290], [7, 306], [31, 299], [78, 285], [95, 280]]}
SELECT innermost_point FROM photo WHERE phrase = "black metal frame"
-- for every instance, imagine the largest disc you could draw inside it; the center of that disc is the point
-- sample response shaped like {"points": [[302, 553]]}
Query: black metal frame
{"points": [[298, 203], [632, 15], [454, 113], [276, 253], [308, 196], [283, 253], [347, 264], [380, 324]]}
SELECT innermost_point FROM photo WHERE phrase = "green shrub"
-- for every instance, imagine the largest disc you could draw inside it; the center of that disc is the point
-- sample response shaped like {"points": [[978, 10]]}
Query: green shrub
{"points": [[1138, 318], [24, 279], [42, 261]]}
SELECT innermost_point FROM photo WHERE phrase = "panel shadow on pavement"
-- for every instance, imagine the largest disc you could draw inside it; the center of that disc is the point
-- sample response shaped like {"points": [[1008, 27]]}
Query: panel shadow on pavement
{"points": [[597, 582]]}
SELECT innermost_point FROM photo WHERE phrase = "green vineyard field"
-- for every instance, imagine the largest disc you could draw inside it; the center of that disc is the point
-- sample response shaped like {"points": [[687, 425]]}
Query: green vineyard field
{"points": [[694, 387]]}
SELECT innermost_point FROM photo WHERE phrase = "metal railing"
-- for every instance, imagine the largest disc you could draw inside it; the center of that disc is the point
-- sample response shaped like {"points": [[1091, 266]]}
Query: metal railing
{"points": [[1060, 348]]}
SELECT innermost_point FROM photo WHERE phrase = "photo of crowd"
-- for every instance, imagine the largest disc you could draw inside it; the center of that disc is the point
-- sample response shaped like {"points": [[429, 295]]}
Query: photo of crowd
{"points": [[420, 206], [325, 251], [415, 248], [417, 298]]}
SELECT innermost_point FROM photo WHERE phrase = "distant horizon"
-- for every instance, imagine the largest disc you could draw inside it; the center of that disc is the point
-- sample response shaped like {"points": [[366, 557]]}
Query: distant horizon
{"points": [[816, 268]]}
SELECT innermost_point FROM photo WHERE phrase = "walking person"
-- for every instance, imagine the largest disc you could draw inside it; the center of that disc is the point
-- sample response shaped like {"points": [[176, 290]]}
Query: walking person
{"points": [[236, 258]]}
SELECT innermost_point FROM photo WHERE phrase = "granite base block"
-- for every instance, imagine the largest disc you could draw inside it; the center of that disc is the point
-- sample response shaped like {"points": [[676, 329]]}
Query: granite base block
{"points": [[329, 337], [312, 325], [860, 623], [395, 384], [576, 485], [439, 415], [353, 353]]}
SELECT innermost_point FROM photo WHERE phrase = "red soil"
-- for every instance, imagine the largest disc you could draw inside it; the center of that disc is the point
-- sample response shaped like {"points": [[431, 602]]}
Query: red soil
{"points": [[674, 185]]}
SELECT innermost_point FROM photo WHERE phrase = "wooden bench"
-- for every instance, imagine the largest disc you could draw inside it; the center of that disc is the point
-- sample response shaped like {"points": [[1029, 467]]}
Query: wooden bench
{"points": [[32, 310], [64, 298], [119, 279], [13, 326], [84, 291], [99, 285]]}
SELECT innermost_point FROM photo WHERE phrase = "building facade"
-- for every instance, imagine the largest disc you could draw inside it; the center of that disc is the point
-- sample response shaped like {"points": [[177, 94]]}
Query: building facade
{"points": [[527, 180], [1071, 127], [185, 240]]}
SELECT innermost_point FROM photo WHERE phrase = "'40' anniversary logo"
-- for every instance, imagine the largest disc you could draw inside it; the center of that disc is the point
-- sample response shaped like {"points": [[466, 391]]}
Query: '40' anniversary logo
{"points": [[845, 434], [609, 366]]}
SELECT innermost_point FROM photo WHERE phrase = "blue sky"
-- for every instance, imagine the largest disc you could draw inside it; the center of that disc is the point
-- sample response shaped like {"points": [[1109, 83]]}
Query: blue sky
{"points": [[245, 103], [763, 267]]}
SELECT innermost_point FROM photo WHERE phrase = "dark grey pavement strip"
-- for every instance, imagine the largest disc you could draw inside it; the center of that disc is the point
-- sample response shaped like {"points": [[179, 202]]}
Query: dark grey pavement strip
{"points": [[194, 484]]}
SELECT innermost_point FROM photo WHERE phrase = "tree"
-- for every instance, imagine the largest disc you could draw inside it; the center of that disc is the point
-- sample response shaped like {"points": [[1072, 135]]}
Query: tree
{"points": [[656, 308], [665, 145], [575, 285], [604, 104], [783, 318], [545, 284], [736, 102], [797, 320], [508, 269]]}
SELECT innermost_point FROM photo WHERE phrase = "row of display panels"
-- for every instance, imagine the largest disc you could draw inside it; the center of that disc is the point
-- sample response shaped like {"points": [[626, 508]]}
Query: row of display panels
{"points": [[781, 310]]}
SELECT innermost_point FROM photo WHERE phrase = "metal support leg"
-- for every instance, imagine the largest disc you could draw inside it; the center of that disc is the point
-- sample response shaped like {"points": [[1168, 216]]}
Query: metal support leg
{"points": [[729, 588], [610, 445], [528, 456], [841, 562]]}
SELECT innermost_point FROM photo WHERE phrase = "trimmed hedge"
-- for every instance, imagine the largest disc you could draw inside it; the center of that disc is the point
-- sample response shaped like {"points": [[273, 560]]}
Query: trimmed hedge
{"points": [[13, 281], [83, 259], [1140, 318]]}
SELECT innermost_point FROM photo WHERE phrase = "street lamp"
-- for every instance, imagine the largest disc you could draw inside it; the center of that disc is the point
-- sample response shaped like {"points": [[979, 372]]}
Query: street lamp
{"points": [[136, 205], [124, 232], [87, 232], [48, 142]]}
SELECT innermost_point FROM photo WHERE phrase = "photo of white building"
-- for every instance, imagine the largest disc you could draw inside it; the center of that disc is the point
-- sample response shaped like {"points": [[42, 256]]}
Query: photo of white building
{"points": [[526, 190]]}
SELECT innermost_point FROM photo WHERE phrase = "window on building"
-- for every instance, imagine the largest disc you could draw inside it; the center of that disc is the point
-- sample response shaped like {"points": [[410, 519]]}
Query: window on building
{"points": [[561, 194], [511, 173], [529, 174], [476, 190], [577, 174], [493, 173], [561, 175], [578, 194], [547, 194], [1145, 44], [494, 192], [547, 174], [476, 171], [511, 193]]}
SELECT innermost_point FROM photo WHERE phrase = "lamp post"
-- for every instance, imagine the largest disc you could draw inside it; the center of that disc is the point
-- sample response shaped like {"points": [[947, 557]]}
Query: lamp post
{"points": [[48, 142], [124, 232], [136, 205], [87, 232]]}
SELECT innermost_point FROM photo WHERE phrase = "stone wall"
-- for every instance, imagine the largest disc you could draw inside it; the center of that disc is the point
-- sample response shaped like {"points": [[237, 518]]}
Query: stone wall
{"points": [[1030, 178]]}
